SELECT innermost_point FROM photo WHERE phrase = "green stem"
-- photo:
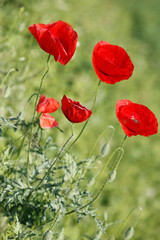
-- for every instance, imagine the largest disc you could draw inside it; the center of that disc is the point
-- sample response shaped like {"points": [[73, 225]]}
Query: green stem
{"points": [[60, 129], [127, 219], [101, 189], [10, 71], [57, 157], [117, 161], [38, 117], [119, 157], [21, 145], [55, 219], [84, 126], [106, 164], [99, 155], [49, 170], [95, 99], [87, 204], [31, 131], [91, 152]]}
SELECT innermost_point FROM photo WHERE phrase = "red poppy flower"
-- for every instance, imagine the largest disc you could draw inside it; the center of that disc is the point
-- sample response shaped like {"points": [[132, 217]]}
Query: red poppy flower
{"points": [[47, 121], [74, 111], [111, 63], [136, 119], [47, 105], [57, 38]]}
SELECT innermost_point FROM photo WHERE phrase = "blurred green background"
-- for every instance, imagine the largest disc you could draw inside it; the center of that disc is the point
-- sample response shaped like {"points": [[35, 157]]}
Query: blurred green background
{"points": [[133, 25]]}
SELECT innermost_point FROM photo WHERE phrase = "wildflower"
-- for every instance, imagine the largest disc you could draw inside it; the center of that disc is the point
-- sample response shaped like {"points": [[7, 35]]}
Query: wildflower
{"points": [[47, 105], [136, 119], [74, 111], [111, 62], [47, 121], [57, 38]]}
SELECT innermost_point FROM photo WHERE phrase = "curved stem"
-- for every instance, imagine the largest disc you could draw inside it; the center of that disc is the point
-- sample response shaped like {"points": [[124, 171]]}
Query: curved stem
{"points": [[106, 164], [57, 157], [21, 145], [84, 126], [38, 117], [31, 131], [119, 157], [49, 170], [92, 149], [7, 75], [87, 204], [117, 161], [95, 99], [127, 219]]}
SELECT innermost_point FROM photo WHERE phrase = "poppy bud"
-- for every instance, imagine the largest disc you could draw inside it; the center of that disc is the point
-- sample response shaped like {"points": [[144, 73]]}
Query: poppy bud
{"points": [[112, 176], [47, 121], [105, 149], [48, 235], [47, 105], [129, 233]]}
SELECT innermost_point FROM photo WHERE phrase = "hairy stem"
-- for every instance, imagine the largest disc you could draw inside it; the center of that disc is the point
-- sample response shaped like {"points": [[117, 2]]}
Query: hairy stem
{"points": [[55, 219], [34, 113], [117, 161], [84, 126], [139, 212], [57, 157]]}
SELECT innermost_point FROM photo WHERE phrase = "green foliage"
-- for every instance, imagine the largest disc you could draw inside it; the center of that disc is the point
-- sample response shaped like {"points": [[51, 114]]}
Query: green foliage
{"points": [[61, 191]]}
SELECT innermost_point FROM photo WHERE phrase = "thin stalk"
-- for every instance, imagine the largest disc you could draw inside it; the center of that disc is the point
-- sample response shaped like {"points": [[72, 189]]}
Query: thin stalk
{"points": [[84, 126], [31, 131], [57, 157], [55, 219], [7, 75], [119, 149], [60, 129], [119, 155], [87, 204], [106, 164], [106, 180], [127, 219], [101, 189], [38, 117], [91, 152], [21, 145]]}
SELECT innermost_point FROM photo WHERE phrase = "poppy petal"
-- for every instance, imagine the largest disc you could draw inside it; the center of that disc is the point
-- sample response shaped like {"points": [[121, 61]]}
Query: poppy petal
{"points": [[136, 119], [52, 105], [74, 111], [111, 63], [41, 104], [47, 121], [47, 105], [57, 38]]}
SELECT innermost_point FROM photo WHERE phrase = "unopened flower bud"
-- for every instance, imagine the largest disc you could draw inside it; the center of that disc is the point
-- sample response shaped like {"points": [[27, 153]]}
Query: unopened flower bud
{"points": [[112, 176], [129, 233], [105, 149], [48, 235]]}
